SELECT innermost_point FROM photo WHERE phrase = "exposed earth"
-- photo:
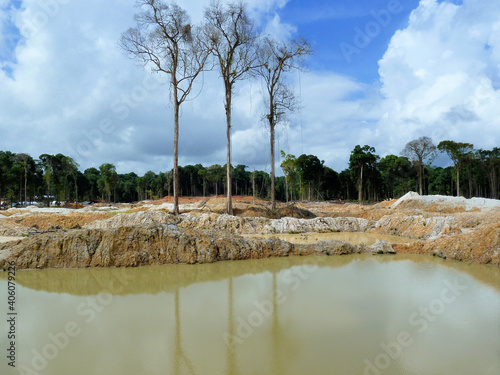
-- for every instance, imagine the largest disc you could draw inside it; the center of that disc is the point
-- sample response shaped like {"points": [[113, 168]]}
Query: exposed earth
{"points": [[119, 235]]}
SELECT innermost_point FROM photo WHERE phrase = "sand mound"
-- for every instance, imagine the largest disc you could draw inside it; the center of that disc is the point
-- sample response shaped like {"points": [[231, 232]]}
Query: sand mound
{"points": [[441, 203]]}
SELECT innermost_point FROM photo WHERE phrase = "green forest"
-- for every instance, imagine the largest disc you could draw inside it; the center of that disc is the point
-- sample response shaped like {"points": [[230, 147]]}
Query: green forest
{"points": [[57, 178]]}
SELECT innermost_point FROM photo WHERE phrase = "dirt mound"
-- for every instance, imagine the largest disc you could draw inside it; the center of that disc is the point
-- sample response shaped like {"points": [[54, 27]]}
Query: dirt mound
{"points": [[296, 212], [45, 221], [11, 212], [385, 204], [73, 205], [254, 211], [346, 209]]}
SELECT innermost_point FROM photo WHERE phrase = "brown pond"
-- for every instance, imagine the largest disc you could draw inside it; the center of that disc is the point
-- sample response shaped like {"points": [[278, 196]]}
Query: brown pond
{"points": [[346, 315]]}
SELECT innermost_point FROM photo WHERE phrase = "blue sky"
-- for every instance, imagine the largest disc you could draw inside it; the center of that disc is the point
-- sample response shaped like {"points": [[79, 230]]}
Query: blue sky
{"points": [[329, 24], [10, 37], [384, 72]]}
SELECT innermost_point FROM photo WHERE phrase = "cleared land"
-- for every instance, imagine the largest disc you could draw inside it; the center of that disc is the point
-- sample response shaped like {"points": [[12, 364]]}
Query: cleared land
{"points": [[117, 235]]}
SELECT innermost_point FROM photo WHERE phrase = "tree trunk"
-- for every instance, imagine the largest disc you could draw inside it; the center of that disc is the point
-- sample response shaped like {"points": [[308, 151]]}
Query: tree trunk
{"points": [[26, 185], [76, 193], [176, 152], [470, 185], [229, 209], [273, 179], [492, 184], [286, 188], [420, 178], [253, 186], [360, 185], [300, 184], [451, 185], [458, 180]]}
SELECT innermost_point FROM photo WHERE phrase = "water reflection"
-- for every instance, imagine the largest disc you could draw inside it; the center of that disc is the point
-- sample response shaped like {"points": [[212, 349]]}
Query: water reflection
{"points": [[324, 315]]}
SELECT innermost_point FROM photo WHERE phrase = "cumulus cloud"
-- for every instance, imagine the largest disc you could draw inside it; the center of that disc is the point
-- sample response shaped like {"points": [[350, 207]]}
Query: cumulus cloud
{"points": [[440, 74], [279, 30]]}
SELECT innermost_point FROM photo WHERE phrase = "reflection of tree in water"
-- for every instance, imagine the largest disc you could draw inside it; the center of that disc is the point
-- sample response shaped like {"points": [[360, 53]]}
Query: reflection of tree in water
{"points": [[231, 346], [284, 346], [275, 330], [182, 364]]}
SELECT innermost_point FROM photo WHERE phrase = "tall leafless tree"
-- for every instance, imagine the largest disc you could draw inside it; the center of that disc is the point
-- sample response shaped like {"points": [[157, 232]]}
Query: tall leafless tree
{"points": [[276, 59], [230, 36], [419, 151], [165, 39]]}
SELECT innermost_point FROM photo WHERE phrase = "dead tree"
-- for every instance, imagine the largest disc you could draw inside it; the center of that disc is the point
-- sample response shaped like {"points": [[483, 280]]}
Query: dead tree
{"points": [[230, 36], [275, 60], [165, 39]]}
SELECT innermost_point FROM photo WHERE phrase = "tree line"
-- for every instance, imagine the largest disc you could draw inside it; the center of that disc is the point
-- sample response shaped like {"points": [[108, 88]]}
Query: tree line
{"points": [[367, 178], [58, 178]]}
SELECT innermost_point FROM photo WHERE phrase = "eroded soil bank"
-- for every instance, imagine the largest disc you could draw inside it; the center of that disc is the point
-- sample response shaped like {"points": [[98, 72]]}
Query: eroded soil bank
{"points": [[126, 235]]}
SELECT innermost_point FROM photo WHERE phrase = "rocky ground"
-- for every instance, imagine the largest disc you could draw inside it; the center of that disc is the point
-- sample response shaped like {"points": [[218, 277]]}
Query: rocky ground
{"points": [[146, 233]]}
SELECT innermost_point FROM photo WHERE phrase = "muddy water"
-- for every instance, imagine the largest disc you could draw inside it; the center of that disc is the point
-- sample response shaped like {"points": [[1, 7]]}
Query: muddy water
{"points": [[355, 238], [302, 315]]}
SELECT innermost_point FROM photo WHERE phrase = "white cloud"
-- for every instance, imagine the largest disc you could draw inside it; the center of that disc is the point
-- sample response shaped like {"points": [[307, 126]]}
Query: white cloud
{"points": [[278, 30], [439, 74]]}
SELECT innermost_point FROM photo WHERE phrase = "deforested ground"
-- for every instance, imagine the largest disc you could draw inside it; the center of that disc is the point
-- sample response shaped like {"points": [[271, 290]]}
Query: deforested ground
{"points": [[145, 233]]}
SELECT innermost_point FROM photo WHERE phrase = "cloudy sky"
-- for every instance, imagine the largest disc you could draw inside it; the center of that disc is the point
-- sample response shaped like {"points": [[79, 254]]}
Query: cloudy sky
{"points": [[383, 73]]}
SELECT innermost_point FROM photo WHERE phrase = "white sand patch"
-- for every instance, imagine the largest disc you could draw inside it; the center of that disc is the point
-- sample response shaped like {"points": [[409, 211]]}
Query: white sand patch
{"points": [[483, 204], [4, 239]]}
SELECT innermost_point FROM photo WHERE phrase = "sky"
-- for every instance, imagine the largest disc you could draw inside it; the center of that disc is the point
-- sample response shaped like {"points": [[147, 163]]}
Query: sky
{"points": [[383, 73]]}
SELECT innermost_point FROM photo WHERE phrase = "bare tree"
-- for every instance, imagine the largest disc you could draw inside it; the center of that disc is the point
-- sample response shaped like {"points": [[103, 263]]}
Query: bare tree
{"points": [[230, 35], [276, 59], [165, 38], [419, 151]]}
